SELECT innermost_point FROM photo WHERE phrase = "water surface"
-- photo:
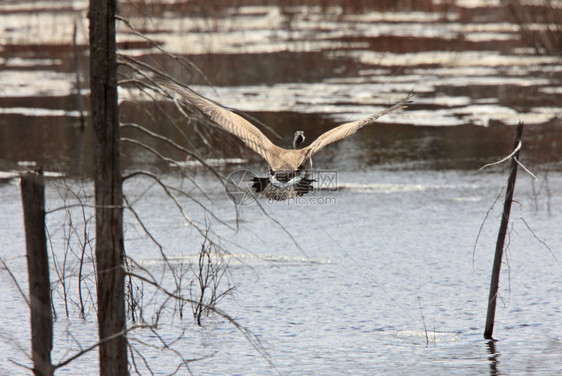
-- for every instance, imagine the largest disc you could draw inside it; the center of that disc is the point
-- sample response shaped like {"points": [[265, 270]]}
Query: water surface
{"points": [[348, 300]]}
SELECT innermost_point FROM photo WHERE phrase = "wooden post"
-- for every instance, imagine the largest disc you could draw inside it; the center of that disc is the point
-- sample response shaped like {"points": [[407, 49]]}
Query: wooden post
{"points": [[33, 198], [108, 188], [501, 238]]}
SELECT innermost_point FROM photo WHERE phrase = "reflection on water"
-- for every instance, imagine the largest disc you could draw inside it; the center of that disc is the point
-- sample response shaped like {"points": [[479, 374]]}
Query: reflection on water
{"points": [[494, 358], [296, 67]]}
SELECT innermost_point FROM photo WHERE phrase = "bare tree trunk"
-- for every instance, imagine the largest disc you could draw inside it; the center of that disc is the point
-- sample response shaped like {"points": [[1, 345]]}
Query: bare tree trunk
{"points": [[33, 198], [108, 188], [495, 280]]}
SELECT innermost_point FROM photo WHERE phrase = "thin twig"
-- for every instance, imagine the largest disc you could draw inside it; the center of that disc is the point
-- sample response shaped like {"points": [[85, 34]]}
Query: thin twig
{"points": [[190, 66], [13, 277], [525, 168], [502, 160], [484, 221], [423, 320], [252, 338], [97, 344], [539, 239]]}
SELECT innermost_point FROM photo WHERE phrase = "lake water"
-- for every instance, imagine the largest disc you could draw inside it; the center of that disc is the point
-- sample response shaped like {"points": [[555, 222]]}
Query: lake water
{"points": [[380, 275], [348, 301]]}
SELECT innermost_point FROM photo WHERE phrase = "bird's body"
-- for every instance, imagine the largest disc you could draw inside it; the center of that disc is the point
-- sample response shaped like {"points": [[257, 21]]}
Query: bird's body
{"points": [[287, 175]]}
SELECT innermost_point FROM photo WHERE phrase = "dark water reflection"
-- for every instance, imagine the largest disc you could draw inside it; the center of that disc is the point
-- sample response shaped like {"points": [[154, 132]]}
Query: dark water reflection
{"points": [[494, 359], [264, 68], [60, 144], [473, 75], [466, 147]]}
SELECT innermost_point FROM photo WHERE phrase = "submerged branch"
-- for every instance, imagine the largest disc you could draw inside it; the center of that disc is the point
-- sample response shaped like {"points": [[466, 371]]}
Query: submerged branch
{"points": [[247, 333]]}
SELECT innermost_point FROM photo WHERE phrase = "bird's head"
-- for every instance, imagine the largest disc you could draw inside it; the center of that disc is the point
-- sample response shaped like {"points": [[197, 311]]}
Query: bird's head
{"points": [[298, 139]]}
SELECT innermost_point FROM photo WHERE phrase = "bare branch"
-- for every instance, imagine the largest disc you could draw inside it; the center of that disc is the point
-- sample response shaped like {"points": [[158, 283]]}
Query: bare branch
{"points": [[525, 168], [177, 146], [539, 239], [95, 345], [13, 277], [21, 365], [152, 238], [252, 338], [170, 194], [484, 221], [187, 64], [502, 160]]}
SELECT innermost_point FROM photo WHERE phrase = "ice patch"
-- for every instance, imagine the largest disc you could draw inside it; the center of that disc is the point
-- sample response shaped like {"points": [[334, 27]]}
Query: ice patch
{"points": [[34, 111], [389, 188], [429, 336], [213, 162], [36, 83]]}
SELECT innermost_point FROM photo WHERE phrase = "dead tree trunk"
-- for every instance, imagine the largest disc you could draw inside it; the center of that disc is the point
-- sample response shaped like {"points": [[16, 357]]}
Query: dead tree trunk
{"points": [[33, 198], [494, 283], [108, 188]]}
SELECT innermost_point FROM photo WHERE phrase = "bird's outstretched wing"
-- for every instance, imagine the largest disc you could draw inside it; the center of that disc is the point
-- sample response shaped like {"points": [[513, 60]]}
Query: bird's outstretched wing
{"points": [[251, 136], [347, 129]]}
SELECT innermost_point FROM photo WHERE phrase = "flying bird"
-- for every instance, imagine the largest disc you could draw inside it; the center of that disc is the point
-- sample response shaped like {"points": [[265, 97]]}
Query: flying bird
{"points": [[287, 176]]}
